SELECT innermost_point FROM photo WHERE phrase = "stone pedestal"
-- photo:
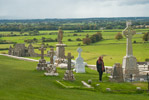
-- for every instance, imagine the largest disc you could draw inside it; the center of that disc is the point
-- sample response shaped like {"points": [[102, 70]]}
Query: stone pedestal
{"points": [[51, 70], [60, 51], [117, 75], [42, 65], [130, 68], [69, 75]]}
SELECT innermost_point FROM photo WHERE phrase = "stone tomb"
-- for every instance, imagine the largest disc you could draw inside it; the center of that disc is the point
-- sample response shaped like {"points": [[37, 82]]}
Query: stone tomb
{"points": [[117, 75], [129, 65], [69, 73], [79, 65], [42, 65], [51, 68]]}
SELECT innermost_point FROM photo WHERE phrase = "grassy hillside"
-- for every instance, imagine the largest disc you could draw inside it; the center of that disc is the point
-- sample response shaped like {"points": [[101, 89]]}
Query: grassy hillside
{"points": [[20, 81], [114, 49]]}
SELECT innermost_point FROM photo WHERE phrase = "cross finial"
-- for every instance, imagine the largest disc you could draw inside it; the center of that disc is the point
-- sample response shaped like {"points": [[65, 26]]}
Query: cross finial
{"points": [[128, 32], [42, 51], [79, 51], [128, 23]]}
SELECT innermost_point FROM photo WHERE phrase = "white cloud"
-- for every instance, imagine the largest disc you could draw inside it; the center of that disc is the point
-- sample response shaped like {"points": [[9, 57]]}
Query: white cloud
{"points": [[73, 8]]}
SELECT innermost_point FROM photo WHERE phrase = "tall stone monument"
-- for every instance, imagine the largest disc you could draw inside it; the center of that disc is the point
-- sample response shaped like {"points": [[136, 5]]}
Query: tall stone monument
{"points": [[60, 47], [69, 73], [42, 65], [129, 61], [51, 68], [79, 65]]}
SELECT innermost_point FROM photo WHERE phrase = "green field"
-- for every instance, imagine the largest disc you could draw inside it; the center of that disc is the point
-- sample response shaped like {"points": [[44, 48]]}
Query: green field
{"points": [[20, 81], [114, 49]]}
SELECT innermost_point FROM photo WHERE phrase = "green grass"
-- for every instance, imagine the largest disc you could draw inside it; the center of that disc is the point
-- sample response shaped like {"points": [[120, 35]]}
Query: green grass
{"points": [[114, 50], [20, 81]]}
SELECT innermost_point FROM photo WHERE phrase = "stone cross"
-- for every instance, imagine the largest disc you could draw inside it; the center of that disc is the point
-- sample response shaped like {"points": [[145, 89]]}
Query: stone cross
{"points": [[51, 55], [79, 51], [42, 51], [60, 36], [69, 57], [128, 32]]}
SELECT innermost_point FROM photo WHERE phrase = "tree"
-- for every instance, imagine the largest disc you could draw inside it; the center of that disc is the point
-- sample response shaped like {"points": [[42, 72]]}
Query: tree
{"points": [[35, 40], [96, 37], [75, 34], [146, 36], [11, 33], [43, 39], [118, 36], [69, 40], [86, 41], [78, 39]]}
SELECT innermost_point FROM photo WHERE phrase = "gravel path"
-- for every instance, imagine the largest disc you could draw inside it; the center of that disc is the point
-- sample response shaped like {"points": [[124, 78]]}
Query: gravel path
{"points": [[21, 58]]}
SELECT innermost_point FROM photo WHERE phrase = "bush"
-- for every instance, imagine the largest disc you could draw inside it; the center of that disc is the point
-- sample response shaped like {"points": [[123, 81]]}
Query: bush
{"points": [[75, 34], [96, 37], [69, 40], [78, 39], [28, 41], [86, 41], [147, 59], [79, 44], [118, 36], [49, 40], [134, 41], [146, 36]]}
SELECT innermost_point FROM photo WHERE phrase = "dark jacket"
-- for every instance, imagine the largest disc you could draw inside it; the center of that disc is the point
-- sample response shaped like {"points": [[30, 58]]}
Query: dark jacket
{"points": [[99, 66]]}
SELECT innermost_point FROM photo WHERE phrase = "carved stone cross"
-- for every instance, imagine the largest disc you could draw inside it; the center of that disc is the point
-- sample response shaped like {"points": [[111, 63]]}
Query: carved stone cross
{"points": [[69, 57], [128, 32], [42, 51], [79, 51], [51, 55]]}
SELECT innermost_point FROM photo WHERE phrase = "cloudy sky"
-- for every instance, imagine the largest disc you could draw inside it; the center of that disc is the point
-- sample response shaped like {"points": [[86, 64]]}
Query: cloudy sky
{"points": [[33, 9]]}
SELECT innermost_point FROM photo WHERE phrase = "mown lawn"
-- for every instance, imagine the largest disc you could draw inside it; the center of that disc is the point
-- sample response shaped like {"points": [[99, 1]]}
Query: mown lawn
{"points": [[20, 81]]}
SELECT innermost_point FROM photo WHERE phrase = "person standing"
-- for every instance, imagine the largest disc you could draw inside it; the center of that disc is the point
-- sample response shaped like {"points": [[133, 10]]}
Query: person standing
{"points": [[100, 67]]}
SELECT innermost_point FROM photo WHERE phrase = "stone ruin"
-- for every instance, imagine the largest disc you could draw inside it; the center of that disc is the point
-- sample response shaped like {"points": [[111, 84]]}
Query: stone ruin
{"points": [[21, 51]]}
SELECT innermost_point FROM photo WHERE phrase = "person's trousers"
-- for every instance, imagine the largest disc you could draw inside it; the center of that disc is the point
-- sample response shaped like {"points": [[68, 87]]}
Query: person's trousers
{"points": [[100, 75]]}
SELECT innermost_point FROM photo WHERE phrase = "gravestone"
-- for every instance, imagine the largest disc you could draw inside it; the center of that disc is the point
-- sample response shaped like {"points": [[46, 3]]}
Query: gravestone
{"points": [[129, 61], [51, 68], [60, 47], [69, 73], [42, 65], [117, 75], [79, 65]]}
